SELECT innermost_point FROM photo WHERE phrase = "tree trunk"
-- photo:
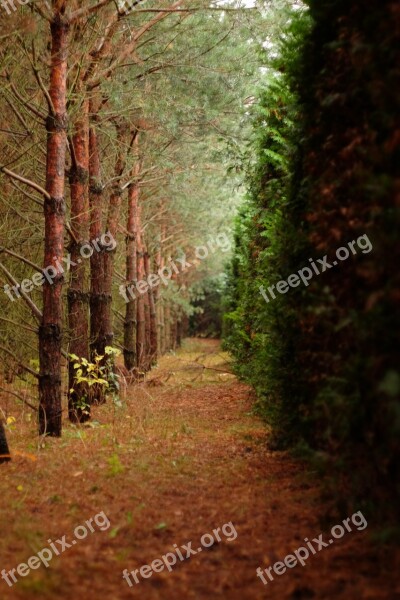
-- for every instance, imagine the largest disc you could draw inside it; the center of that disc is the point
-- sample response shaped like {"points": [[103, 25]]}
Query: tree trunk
{"points": [[141, 319], [174, 330], [161, 326], [179, 331], [112, 229], [97, 334], [130, 322], [146, 301], [167, 326], [158, 303], [153, 333], [78, 300], [50, 330], [4, 451]]}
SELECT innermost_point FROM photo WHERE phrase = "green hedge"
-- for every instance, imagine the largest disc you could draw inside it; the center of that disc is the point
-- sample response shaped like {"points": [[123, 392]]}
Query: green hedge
{"points": [[324, 359]]}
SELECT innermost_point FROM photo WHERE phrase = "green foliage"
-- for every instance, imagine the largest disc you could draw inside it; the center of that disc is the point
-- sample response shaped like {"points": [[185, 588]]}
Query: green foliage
{"points": [[268, 245], [324, 358], [100, 373]]}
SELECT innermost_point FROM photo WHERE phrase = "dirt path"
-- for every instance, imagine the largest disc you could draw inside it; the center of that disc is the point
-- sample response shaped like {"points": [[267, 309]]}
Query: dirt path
{"points": [[182, 458]]}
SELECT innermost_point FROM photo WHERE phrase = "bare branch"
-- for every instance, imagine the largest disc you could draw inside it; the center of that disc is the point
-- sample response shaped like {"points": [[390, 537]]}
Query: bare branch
{"points": [[24, 102], [131, 46], [26, 327], [83, 12], [39, 79], [25, 193], [17, 133], [47, 16], [25, 260], [21, 364], [193, 10], [17, 114], [20, 398], [35, 311], [31, 184]]}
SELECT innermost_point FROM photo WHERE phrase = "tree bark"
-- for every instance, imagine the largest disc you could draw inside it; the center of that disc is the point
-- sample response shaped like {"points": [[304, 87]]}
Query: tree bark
{"points": [[50, 331], [141, 318], [160, 322], [174, 330], [167, 326], [146, 301], [112, 229], [153, 333], [97, 295], [4, 451], [78, 298], [130, 322]]}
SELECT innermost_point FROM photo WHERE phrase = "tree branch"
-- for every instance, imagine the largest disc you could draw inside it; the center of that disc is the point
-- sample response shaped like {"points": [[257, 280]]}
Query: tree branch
{"points": [[39, 79], [20, 398], [25, 193], [21, 364], [27, 327], [25, 260], [36, 312], [131, 46], [84, 12], [14, 90], [31, 184], [42, 13]]}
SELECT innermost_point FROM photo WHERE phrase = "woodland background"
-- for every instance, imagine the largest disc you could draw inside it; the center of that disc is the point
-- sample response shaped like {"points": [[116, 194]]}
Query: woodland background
{"points": [[166, 125]]}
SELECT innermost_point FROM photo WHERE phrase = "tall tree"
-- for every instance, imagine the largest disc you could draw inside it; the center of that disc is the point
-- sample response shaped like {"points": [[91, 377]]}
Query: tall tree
{"points": [[78, 296], [50, 331], [132, 227]]}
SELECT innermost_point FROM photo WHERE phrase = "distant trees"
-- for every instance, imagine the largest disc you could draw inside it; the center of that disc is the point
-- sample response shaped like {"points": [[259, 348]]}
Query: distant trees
{"points": [[115, 121], [270, 242]]}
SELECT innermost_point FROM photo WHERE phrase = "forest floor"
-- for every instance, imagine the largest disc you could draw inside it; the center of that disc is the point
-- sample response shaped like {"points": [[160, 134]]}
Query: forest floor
{"points": [[182, 457]]}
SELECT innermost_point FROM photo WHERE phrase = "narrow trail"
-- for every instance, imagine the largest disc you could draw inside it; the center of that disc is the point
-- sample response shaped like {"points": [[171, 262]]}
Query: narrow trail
{"points": [[182, 458]]}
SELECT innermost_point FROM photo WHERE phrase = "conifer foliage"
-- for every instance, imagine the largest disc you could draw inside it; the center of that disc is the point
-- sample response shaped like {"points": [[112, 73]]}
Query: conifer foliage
{"points": [[324, 357]]}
